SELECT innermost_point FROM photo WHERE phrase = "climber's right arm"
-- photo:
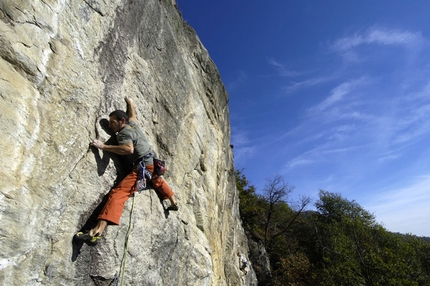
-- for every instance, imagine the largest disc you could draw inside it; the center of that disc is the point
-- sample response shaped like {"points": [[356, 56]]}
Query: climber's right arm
{"points": [[122, 149]]}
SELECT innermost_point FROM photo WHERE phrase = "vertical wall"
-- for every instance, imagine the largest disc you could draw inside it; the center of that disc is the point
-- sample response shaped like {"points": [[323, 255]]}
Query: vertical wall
{"points": [[65, 65]]}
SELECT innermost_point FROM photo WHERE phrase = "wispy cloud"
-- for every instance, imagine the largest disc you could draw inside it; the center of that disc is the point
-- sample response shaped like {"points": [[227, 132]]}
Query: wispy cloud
{"points": [[243, 147], [240, 138], [409, 119], [308, 83], [359, 126], [381, 37], [240, 79], [389, 155], [373, 123], [404, 210], [298, 162], [338, 94], [283, 70], [242, 153], [300, 83], [414, 41]]}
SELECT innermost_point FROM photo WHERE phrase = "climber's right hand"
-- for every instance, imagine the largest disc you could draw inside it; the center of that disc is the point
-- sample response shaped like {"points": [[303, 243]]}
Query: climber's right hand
{"points": [[97, 143]]}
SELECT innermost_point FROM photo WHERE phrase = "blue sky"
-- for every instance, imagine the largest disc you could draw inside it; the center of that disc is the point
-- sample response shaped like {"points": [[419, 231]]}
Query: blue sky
{"points": [[331, 95]]}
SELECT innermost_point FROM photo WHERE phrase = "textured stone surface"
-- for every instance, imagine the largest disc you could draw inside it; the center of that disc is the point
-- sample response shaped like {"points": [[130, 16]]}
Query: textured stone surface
{"points": [[64, 65]]}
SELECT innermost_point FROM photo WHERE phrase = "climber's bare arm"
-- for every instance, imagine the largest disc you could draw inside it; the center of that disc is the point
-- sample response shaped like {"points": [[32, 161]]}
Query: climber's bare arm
{"points": [[123, 149], [131, 112]]}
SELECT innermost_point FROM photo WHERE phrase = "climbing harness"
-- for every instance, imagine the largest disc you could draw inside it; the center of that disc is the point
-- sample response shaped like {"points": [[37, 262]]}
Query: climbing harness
{"points": [[142, 174], [159, 165]]}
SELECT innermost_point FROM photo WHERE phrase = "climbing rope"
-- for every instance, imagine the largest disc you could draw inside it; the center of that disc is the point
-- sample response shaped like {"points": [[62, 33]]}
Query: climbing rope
{"points": [[122, 270]]}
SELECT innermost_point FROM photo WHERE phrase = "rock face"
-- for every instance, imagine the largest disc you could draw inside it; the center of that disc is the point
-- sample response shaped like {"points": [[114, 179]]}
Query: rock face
{"points": [[64, 66]]}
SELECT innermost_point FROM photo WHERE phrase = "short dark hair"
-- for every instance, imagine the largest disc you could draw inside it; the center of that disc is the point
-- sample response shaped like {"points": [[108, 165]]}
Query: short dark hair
{"points": [[119, 115]]}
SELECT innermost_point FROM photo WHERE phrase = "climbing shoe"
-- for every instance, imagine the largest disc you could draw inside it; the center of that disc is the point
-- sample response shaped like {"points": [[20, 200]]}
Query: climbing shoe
{"points": [[173, 207], [87, 238]]}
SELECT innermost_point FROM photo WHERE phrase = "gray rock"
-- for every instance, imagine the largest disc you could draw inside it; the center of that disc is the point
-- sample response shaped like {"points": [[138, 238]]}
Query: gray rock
{"points": [[65, 65]]}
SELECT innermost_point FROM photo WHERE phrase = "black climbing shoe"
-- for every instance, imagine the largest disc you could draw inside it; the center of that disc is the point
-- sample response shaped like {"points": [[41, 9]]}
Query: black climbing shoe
{"points": [[87, 238], [173, 207]]}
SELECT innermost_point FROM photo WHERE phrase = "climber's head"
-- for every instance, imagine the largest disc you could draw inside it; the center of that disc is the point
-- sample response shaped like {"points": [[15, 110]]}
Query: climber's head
{"points": [[117, 120]]}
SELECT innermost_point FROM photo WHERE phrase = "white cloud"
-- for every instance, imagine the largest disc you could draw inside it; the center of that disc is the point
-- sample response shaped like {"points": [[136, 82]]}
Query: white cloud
{"points": [[283, 71], [361, 130], [239, 138], [242, 146], [382, 37], [241, 78], [243, 153], [409, 118], [349, 47], [309, 82], [388, 156], [298, 162], [337, 94], [404, 210]]}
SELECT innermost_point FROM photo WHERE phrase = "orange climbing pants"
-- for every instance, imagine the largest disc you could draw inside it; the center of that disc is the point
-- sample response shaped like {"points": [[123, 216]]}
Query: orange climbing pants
{"points": [[114, 206]]}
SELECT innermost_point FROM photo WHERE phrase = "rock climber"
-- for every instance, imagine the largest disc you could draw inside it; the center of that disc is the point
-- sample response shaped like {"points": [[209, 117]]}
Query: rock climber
{"points": [[243, 263], [131, 142]]}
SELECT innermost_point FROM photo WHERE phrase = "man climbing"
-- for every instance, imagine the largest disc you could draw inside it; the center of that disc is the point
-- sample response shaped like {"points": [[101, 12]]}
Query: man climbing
{"points": [[243, 263], [131, 142]]}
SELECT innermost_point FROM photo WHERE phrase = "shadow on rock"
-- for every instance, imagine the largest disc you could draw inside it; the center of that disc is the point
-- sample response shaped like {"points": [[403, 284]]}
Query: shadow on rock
{"points": [[122, 165], [89, 224]]}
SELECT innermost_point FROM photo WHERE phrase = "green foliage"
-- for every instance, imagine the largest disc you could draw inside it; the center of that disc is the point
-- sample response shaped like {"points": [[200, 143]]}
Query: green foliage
{"points": [[251, 205], [339, 244], [334, 208]]}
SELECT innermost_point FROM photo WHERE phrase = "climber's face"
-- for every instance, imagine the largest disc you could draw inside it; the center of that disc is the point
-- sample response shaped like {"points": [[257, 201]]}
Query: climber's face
{"points": [[115, 124]]}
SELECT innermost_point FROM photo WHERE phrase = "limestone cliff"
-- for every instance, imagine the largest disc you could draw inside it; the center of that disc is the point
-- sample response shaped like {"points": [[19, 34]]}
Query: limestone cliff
{"points": [[64, 66]]}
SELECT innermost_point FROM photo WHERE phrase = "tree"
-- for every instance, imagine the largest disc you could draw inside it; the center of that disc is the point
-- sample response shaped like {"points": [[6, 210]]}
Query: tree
{"points": [[251, 205], [279, 215], [339, 244], [333, 207], [275, 193], [355, 250]]}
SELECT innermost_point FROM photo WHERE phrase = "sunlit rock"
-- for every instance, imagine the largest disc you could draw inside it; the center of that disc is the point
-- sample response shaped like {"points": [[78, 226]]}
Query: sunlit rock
{"points": [[64, 66]]}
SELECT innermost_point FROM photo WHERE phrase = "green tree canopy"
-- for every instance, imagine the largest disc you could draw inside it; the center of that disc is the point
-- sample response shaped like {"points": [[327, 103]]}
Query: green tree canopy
{"points": [[338, 244]]}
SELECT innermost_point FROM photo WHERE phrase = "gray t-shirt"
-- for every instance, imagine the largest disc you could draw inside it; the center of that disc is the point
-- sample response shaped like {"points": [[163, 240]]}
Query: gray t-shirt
{"points": [[132, 133]]}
